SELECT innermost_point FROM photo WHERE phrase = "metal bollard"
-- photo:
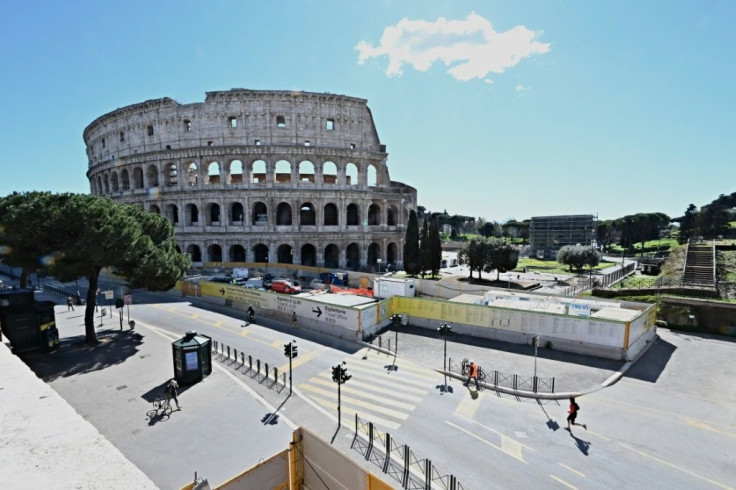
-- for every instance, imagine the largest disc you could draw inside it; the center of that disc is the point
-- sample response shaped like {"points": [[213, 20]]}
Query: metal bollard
{"points": [[228, 352], [266, 364], [275, 374], [235, 354], [258, 365], [379, 341], [250, 361], [284, 376], [242, 359]]}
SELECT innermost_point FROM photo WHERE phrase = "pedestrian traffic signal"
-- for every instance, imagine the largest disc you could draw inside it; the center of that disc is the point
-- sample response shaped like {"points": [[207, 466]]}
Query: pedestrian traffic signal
{"points": [[294, 351], [287, 350], [344, 376], [445, 330], [336, 373]]}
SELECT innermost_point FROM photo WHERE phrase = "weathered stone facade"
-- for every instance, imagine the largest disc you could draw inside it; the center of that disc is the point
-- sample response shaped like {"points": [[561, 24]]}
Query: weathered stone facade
{"points": [[257, 176]]}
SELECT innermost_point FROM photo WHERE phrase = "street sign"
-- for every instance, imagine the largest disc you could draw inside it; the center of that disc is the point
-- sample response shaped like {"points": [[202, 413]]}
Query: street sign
{"points": [[128, 299], [109, 294]]}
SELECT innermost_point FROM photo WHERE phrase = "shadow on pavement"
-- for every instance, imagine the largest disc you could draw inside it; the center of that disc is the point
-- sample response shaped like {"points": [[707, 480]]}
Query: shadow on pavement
{"points": [[650, 366], [76, 357]]}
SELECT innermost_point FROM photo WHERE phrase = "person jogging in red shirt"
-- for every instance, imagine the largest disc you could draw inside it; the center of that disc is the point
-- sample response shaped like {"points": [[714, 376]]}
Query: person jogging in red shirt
{"points": [[572, 415]]}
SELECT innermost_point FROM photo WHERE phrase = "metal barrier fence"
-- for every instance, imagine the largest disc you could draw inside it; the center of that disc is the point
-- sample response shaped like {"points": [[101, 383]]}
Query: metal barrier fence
{"points": [[496, 378], [247, 364], [398, 460]]}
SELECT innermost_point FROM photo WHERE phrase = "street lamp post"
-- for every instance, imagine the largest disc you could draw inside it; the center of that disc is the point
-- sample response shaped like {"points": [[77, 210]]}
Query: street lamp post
{"points": [[378, 261], [508, 284], [445, 330], [536, 344], [290, 351]]}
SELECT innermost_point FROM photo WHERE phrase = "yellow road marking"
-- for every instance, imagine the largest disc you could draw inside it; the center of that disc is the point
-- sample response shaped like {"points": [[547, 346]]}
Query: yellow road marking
{"points": [[218, 324], [570, 469], [560, 480], [396, 377], [514, 454], [301, 359], [354, 401], [384, 381], [244, 333], [360, 392], [349, 411], [467, 406], [194, 316], [702, 425], [277, 343], [672, 465], [497, 433], [512, 447], [364, 387]]}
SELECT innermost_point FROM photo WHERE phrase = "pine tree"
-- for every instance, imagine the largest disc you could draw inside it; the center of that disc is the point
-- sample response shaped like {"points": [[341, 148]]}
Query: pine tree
{"points": [[435, 248], [412, 264], [424, 251]]}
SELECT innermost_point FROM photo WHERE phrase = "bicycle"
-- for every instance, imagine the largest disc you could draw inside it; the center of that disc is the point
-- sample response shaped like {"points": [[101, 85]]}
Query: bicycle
{"points": [[161, 408]]}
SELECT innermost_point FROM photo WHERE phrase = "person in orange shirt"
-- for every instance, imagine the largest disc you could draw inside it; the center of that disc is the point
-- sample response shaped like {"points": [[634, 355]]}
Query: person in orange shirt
{"points": [[472, 374]]}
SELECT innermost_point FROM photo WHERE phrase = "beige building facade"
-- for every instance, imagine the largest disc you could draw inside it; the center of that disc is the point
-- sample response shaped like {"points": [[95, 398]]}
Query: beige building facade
{"points": [[257, 176]]}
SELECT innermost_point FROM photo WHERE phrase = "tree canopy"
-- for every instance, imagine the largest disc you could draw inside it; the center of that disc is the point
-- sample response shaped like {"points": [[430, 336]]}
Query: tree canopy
{"points": [[578, 256], [489, 254]]}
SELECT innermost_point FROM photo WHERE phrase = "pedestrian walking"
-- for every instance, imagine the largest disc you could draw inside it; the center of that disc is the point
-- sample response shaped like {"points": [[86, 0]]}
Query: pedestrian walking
{"points": [[573, 414], [170, 393], [293, 320], [472, 374], [69, 304]]}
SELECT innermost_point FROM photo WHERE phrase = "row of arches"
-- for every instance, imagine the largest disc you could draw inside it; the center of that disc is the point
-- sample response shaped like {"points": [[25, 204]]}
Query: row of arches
{"points": [[350, 257], [259, 215], [189, 173]]}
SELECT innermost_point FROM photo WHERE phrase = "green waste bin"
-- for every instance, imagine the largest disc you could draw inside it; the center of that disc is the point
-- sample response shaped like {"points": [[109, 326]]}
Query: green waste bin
{"points": [[192, 358]]}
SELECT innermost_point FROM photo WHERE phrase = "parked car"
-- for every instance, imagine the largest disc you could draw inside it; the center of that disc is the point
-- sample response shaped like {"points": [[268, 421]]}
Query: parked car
{"points": [[285, 286]]}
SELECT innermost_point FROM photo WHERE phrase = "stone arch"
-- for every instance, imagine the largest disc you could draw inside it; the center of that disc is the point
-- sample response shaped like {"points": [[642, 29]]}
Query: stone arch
{"points": [[237, 253], [351, 174], [391, 215], [372, 176], [332, 256], [124, 180], [282, 172], [331, 216], [392, 254], [260, 253], [352, 257], [374, 215], [285, 254], [353, 215], [191, 215], [329, 172], [172, 174], [192, 174], [214, 253], [306, 171], [114, 181], [107, 184], [213, 212], [309, 255], [237, 213], [258, 172], [195, 253], [283, 214], [213, 173], [138, 178], [154, 209], [307, 215], [100, 189], [260, 214], [236, 172], [374, 253], [172, 213], [152, 176]]}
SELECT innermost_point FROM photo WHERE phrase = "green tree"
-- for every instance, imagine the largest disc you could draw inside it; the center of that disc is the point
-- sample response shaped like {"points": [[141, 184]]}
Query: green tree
{"points": [[435, 248], [424, 252], [578, 256], [501, 256], [474, 255], [412, 265]]}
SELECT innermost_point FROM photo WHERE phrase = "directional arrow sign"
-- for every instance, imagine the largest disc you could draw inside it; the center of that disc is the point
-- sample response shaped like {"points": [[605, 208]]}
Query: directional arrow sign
{"points": [[318, 311], [222, 291]]}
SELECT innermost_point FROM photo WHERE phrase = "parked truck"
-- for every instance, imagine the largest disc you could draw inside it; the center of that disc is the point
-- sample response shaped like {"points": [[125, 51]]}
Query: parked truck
{"points": [[386, 287]]}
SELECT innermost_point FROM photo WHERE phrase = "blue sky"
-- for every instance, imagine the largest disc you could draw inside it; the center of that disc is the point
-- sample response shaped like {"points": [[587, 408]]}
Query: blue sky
{"points": [[494, 109]]}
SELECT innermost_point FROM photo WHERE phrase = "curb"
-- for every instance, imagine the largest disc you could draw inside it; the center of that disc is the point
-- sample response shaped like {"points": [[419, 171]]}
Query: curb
{"points": [[511, 391]]}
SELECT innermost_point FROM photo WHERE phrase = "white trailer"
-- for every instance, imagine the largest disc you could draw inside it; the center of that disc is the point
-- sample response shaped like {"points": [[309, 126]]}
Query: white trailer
{"points": [[386, 287]]}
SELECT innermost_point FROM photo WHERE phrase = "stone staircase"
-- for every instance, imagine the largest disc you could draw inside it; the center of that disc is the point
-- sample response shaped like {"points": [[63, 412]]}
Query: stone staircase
{"points": [[700, 265]]}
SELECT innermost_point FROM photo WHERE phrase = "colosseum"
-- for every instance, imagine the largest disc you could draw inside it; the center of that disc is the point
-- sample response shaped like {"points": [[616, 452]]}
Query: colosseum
{"points": [[258, 176]]}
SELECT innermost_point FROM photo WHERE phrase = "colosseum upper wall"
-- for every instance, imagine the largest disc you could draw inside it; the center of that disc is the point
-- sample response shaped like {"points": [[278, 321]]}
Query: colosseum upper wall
{"points": [[257, 176]]}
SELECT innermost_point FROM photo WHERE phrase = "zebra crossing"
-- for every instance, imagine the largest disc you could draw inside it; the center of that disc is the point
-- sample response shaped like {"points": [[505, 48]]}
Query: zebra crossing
{"points": [[376, 392]]}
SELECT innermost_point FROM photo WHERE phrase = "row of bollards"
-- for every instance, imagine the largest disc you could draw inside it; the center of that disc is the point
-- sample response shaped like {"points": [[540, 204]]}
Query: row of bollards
{"points": [[228, 353]]}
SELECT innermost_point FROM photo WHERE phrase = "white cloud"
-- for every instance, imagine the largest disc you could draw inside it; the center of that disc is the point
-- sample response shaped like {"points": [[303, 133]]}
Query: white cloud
{"points": [[470, 47], [523, 88]]}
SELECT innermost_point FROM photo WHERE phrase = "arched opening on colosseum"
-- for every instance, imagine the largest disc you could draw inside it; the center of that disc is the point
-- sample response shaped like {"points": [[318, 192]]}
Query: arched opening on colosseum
{"points": [[138, 178], [152, 176], [214, 253], [237, 253], [332, 256], [154, 209], [125, 179], [309, 255], [260, 214], [283, 172], [285, 254], [351, 174], [329, 173], [306, 171], [195, 253], [331, 215], [283, 214], [213, 214], [237, 213], [191, 215], [259, 172], [213, 173], [100, 189], [107, 185], [392, 254], [172, 213], [372, 176], [353, 217], [172, 175], [114, 179], [307, 216], [391, 214], [236, 172], [374, 253], [352, 257], [374, 215], [260, 253], [192, 175]]}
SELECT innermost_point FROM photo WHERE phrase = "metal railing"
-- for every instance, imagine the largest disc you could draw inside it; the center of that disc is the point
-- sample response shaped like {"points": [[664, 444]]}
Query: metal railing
{"points": [[260, 371], [495, 378]]}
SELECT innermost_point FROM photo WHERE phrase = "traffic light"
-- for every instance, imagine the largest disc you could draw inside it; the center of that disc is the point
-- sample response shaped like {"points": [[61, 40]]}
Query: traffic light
{"points": [[445, 330], [336, 373], [287, 350], [294, 351], [344, 376]]}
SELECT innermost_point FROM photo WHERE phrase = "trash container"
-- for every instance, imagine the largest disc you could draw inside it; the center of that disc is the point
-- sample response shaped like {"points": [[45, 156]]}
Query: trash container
{"points": [[192, 358]]}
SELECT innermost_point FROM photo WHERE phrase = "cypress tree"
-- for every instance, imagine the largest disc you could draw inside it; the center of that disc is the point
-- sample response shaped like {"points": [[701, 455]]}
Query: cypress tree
{"points": [[411, 246], [435, 248], [424, 250]]}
